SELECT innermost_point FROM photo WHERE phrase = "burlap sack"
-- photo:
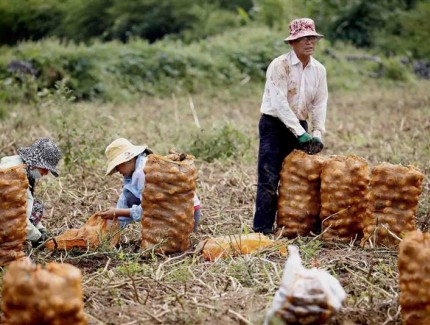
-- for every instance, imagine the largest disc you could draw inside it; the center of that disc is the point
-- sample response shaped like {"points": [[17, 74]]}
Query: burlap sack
{"points": [[344, 189], [34, 295], [13, 215], [299, 195], [167, 202], [393, 201]]}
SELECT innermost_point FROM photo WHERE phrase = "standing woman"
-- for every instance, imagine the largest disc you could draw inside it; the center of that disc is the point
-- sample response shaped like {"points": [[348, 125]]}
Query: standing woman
{"points": [[40, 158]]}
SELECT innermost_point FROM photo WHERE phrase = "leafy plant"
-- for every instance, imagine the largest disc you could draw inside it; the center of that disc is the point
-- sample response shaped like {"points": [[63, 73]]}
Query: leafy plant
{"points": [[220, 143], [396, 71], [28, 19]]}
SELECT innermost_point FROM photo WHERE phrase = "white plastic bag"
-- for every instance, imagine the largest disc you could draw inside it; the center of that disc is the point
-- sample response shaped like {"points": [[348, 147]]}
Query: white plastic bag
{"points": [[305, 296]]}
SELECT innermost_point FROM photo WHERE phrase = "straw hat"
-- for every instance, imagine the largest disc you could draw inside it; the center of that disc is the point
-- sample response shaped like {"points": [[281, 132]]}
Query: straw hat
{"points": [[120, 151], [300, 28]]}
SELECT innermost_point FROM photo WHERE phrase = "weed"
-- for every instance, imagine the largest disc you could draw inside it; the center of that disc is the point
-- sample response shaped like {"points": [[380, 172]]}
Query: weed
{"points": [[130, 268], [220, 143]]}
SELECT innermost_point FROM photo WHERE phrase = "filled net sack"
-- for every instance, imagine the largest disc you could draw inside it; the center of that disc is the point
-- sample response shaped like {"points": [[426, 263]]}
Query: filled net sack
{"points": [[234, 245], [414, 280], [305, 296], [167, 202], [34, 295], [91, 235], [13, 213], [393, 201], [299, 194], [344, 189]]}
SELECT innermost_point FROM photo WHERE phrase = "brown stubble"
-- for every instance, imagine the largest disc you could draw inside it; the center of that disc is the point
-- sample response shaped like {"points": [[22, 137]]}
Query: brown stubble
{"points": [[123, 286]]}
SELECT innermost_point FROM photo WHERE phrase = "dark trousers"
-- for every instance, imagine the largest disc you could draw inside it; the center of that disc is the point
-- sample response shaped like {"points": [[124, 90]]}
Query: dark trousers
{"points": [[276, 142]]}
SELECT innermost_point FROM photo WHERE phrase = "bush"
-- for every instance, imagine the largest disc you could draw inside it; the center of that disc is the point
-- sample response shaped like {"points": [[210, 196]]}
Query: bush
{"points": [[221, 143], [405, 36], [85, 20], [211, 21], [395, 70], [114, 71], [250, 49], [28, 19], [105, 70]]}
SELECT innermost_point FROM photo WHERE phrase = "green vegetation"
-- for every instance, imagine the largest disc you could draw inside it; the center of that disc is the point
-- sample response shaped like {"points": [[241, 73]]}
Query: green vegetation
{"points": [[119, 50], [91, 71], [125, 72], [357, 21], [220, 143]]}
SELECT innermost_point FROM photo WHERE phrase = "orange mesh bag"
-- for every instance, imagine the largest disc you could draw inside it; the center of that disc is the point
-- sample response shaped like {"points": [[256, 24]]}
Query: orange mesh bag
{"points": [[233, 245], [13, 213], [299, 194], [95, 231], [344, 189], [34, 295], [393, 201], [167, 202], [414, 280]]}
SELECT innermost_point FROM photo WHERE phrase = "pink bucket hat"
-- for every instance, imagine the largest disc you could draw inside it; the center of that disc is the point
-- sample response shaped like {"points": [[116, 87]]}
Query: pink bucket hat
{"points": [[300, 28]]}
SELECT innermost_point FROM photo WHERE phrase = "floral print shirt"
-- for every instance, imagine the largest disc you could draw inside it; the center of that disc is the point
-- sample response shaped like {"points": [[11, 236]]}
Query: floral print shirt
{"points": [[292, 93]]}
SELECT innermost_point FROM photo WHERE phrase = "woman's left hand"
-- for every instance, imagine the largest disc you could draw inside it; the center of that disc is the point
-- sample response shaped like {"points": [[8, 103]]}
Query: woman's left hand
{"points": [[107, 214]]}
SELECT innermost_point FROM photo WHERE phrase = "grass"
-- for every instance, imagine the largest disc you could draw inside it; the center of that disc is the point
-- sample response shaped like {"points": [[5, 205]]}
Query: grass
{"points": [[377, 122]]}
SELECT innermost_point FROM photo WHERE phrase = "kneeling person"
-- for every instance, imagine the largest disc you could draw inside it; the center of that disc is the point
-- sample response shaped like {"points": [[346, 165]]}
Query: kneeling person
{"points": [[129, 160]]}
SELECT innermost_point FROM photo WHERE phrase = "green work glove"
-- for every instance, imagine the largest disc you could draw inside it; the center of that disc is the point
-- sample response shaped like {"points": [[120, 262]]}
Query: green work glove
{"points": [[304, 142], [304, 139], [316, 146]]}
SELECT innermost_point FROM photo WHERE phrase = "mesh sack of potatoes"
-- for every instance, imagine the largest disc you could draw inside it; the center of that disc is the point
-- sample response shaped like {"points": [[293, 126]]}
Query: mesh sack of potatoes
{"points": [[91, 235], [299, 194], [167, 202], [344, 189], [414, 280], [305, 307], [13, 215], [233, 245], [393, 201], [34, 295], [305, 296]]}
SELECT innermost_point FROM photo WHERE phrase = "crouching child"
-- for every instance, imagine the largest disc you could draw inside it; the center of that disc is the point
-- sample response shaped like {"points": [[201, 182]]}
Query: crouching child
{"points": [[129, 160]]}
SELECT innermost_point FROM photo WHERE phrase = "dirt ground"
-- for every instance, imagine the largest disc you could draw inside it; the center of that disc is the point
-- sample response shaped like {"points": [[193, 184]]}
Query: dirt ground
{"points": [[127, 286]]}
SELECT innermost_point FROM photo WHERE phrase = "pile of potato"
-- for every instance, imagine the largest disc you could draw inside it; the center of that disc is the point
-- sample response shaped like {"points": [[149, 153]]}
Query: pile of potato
{"points": [[393, 203], [414, 280], [299, 200], [376, 206], [13, 213], [167, 201], [344, 189], [33, 294], [312, 309]]}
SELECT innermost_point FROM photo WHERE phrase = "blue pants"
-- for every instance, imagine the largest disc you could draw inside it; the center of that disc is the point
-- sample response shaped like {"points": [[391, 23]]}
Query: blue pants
{"points": [[276, 142]]}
